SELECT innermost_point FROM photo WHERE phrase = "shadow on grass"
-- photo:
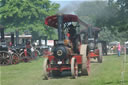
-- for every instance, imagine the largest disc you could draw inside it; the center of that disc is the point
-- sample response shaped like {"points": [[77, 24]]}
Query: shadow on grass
{"points": [[117, 82], [64, 75]]}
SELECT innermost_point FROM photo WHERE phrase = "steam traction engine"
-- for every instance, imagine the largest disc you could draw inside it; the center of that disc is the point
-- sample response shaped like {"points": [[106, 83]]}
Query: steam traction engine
{"points": [[7, 55], [90, 38], [68, 53]]}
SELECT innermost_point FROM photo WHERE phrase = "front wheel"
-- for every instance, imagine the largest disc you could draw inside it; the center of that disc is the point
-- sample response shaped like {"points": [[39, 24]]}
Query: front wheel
{"points": [[15, 58], [46, 72], [74, 68]]}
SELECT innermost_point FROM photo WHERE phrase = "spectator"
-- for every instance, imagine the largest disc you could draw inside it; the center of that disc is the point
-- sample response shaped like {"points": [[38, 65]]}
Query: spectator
{"points": [[119, 49]]}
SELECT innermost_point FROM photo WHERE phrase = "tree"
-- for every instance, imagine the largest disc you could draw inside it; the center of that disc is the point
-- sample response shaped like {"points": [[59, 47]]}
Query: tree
{"points": [[27, 15], [123, 15], [109, 16]]}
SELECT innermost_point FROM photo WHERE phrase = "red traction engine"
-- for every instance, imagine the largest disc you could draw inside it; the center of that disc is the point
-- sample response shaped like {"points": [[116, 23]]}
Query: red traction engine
{"points": [[66, 53], [94, 46]]}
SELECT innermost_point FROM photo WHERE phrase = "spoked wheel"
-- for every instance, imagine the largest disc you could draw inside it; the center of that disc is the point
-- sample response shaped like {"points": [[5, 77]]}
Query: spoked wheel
{"points": [[99, 58], [5, 58], [74, 68], [46, 72], [24, 58], [85, 60], [15, 58]]}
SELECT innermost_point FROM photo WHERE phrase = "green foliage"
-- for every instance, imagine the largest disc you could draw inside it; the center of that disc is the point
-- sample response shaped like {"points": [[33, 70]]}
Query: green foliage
{"points": [[27, 15], [106, 35], [111, 17]]}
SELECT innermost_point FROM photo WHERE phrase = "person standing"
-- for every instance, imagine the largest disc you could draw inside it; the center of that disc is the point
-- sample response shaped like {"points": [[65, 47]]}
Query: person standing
{"points": [[119, 49]]}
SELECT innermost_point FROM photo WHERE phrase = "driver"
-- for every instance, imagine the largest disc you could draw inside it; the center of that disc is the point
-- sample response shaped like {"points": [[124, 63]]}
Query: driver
{"points": [[72, 32], [72, 37]]}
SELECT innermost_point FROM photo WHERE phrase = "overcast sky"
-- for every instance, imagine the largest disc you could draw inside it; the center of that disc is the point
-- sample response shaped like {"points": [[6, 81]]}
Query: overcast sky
{"points": [[65, 2]]}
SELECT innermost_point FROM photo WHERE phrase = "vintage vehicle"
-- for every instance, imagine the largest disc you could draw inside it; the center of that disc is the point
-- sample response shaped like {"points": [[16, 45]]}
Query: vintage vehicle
{"points": [[13, 50], [24, 48], [7, 56], [16, 47], [90, 38], [68, 54]]}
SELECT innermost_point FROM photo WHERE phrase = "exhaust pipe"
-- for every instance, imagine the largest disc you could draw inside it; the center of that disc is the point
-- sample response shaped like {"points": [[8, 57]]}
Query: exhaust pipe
{"points": [[2, 33], [17, 37], [45, 38], [12, 38], [60, 26], [39, 41]]}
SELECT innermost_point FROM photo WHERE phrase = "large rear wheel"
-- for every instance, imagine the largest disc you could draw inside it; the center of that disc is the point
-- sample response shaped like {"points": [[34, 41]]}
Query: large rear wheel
{"points": [[85, 60], [24, 58], [15, 58], [74, 68], [5, 58], [99, 58]]}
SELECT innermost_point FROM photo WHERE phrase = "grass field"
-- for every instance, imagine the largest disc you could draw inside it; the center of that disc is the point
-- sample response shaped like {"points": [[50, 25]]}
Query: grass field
{"points": [[106, 73]]}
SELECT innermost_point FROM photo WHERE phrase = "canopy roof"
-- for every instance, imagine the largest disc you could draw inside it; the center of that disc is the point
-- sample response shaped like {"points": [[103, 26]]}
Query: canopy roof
{"points": [[52, 20]]}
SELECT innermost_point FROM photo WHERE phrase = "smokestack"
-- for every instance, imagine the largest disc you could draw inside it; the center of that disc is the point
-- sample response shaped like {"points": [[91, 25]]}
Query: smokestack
{"points": [[45, 38], [39, 41], [90, 32], [2, 33], [60, 26], [23, 41], [12, 38], [17, 37]]}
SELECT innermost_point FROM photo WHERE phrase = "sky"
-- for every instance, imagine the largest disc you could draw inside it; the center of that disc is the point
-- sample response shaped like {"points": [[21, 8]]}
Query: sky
{"points": [[63, 3]]}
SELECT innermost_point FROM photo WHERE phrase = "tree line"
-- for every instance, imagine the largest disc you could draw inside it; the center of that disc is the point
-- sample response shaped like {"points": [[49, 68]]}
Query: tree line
{"points": [[28, 16], [111, 16]]}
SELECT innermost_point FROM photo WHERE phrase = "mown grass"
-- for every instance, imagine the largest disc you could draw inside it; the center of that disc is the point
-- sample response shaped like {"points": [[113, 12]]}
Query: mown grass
{"points": [[106, 73]]}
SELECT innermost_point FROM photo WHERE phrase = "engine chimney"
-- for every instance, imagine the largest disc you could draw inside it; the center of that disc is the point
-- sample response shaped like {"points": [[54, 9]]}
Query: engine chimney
{"points": [[60, 26], [45, 38], [2, 33], [12, 38], [17, 37]]}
